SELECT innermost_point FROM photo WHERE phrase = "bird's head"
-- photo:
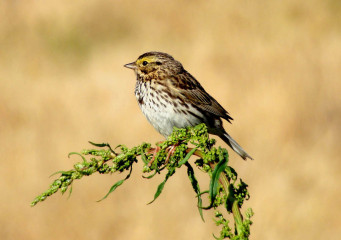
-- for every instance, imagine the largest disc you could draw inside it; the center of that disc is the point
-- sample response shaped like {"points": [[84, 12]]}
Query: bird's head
{"points": [[153, 62]]}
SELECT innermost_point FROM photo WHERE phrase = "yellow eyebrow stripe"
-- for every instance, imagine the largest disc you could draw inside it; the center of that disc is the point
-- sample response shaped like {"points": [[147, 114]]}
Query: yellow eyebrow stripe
{"points": [[148, 59]]}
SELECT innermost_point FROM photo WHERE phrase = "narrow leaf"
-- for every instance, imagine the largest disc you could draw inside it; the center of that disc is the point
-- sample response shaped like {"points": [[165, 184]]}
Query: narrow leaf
{"points": [[70, 191], [150, 176], [57, 173], [76, 153], [196, 187], [102, 145], [144, 158], [216, 237], [183, 161], [161, 185], [214, 183], [213, 190], [202, 193], [113, 187], [117, 184], [99, 144]]}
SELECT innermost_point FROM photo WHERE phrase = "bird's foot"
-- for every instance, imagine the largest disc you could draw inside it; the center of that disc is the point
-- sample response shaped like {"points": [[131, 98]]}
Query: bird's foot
{"points": [[153, 151], [170, 151]]}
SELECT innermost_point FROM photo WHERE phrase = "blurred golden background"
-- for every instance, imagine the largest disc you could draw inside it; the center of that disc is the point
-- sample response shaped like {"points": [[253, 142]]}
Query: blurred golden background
{"points": [[274, 65]]}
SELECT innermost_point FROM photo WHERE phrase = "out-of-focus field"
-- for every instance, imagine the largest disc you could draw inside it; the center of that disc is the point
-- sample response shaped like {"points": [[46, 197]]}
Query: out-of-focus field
{"points": [[274, 65]]}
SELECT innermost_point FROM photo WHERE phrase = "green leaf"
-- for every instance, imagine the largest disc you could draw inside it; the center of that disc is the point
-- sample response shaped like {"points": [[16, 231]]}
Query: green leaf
{"points": [[216, 237], [215, 178], [201, 193], [183, 161], [70, 191], [99, 144], [214, 183], [76, 153], [196, 187], [144, 158], [62, 172], [161, 185], [117, 184], [150, 176], [103, 145]]}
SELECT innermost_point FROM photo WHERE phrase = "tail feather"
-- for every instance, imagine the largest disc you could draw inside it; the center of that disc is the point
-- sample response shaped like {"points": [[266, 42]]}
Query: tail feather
{"points": [[235, 146]]}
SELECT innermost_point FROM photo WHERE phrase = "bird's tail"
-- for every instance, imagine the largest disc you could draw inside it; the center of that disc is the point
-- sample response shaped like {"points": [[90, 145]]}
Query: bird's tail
{"points": [[235, 146]]}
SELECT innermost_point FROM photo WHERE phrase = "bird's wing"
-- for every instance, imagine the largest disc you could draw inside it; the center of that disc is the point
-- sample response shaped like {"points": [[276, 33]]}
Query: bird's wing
{"points": [[186, 87]]}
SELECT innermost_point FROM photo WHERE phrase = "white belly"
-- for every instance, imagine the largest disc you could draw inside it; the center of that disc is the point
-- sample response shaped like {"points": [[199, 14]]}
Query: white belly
{"points": [[163, 115]]}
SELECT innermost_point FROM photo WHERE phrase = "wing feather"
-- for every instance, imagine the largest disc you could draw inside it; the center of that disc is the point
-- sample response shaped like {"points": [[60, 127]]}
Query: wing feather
{"points": [[186, 87]]}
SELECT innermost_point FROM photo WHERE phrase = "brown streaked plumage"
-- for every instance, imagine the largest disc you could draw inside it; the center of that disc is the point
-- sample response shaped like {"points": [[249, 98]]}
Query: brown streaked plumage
{"points": [[169, 96]]}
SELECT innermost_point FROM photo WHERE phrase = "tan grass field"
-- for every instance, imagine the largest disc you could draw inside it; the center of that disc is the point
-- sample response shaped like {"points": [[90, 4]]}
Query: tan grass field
{"points": [[274, 65]]}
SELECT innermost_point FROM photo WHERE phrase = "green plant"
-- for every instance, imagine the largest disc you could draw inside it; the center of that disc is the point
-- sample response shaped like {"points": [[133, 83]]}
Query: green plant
{"points": [[224, 188]]}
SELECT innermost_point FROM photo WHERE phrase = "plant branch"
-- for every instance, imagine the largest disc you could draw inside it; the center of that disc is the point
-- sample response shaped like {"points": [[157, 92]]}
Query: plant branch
{"points": [[169, 155]]}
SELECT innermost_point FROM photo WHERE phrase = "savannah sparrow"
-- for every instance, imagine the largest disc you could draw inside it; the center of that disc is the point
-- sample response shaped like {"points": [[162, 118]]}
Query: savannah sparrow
{"points": [[169, 96]]}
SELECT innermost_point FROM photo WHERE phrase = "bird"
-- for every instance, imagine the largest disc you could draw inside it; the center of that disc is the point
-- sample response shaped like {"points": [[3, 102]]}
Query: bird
{"points": [[169, 97]]}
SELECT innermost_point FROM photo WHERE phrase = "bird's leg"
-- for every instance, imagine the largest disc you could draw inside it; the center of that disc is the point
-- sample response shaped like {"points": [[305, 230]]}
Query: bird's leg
{"points": [[171, 150], [154, 151]]}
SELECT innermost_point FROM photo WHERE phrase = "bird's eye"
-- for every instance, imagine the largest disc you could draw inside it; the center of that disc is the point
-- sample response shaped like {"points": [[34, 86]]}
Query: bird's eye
{"points": [[144, 63]]}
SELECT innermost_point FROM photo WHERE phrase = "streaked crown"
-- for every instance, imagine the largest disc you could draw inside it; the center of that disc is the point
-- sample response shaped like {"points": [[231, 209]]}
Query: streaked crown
{"points": [[152, 61]]}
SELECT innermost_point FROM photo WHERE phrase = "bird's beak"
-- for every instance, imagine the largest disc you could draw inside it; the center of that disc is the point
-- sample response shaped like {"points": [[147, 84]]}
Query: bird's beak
{"points": [[131, 65]]}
